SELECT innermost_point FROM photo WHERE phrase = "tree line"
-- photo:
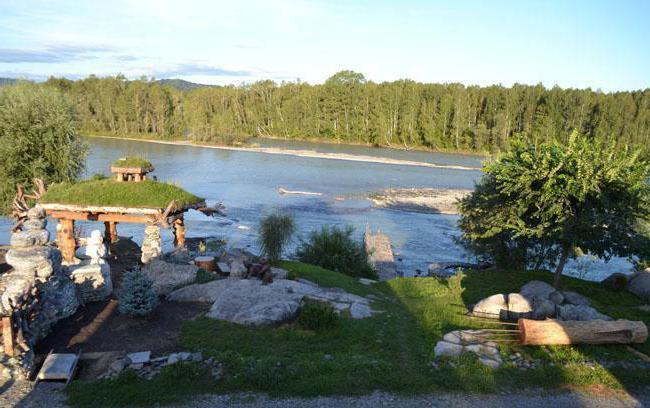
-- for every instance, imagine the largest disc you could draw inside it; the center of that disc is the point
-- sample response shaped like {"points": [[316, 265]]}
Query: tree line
{"points": [[349, 109]]}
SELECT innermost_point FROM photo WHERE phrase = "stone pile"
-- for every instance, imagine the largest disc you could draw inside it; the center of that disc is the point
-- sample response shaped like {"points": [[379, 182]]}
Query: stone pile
{"points": [[538, 300], [93, 276], [251, 302], [151, 244], [457, 342], [147, 368]]}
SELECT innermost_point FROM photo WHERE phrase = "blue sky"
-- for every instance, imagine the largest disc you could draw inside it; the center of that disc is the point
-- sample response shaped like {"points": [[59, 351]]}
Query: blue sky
{"points": [[597, 44]]}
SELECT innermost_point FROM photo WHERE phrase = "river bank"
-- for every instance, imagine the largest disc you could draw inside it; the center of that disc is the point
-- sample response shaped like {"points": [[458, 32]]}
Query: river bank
{"points": [[422, 200], [302, 153]]}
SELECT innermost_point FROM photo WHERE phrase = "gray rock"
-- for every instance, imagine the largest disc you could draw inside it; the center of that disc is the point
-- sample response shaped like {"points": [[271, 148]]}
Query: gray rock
{"points": [[556, 297], [184, 355], [223, 267], [518, 306], [574, 298], [494, 364], [543, 308], [36, 212], [29, 238], [34, 258], [168, 276], [139, 357], [639, 284], [360, 311], [452, 337], [367, 282], [440, 271], [35, 224], [494, 307], [206, 292], [198, 356], [536, 289], [444, 349], [173, 359], [580, 312], [279, 273], [117, 366], [616, 281], [237, 269]]}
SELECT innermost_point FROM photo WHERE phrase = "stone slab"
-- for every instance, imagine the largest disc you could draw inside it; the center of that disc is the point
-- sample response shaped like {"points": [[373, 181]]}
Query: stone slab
{"points": [[140, 357], [58, 366]]}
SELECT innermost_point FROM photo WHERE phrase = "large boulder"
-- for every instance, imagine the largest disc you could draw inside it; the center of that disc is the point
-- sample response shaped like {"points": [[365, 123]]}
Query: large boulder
{"points": [[639, 284], [536, 290], [168, 276], [616, 281], [29, 238], [579, 312], [41, 261], [543, 308], [495, 307], [519, 306], [574, 298]]}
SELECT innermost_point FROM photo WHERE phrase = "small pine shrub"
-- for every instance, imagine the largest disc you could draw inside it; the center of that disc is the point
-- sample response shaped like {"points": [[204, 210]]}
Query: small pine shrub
{"points": [[203, 276], [334, 248], [137, 297], [318, 317], [276, 231]]}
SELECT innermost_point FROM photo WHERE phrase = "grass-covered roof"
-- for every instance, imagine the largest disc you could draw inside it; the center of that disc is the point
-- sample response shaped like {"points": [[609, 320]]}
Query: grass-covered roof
{"points": [[132, 161], [110, 193]]}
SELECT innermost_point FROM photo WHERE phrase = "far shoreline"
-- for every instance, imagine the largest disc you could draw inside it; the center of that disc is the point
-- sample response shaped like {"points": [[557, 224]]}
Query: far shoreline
{"points": [[298, 153]]}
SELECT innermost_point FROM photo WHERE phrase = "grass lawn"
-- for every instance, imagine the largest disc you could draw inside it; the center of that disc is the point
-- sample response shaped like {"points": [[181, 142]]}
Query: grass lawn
{"points": [[110, 193], [392, 351], [132, 161]]}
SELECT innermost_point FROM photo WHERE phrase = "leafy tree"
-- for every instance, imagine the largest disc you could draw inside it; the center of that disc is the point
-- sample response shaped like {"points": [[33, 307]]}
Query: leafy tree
{"points": [[38, 138], [137, 296], [275, 233], [545, 203]]}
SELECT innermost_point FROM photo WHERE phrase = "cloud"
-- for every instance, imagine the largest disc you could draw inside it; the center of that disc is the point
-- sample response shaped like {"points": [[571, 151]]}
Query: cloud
{"points": [[188, 69], [52, 54]]}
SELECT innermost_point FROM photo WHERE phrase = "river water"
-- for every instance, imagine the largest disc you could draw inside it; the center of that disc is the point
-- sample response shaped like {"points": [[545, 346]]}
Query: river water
{"points": [[247, 184]]}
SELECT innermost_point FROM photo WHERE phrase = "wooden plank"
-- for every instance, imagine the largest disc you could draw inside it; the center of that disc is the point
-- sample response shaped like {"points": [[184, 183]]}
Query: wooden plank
{"points": [[56, 207], [8, 336], [85, 216]]}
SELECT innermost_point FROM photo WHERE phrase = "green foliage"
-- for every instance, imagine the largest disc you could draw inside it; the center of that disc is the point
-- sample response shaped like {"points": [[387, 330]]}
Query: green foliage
{"points": [[349, 109], [132, 161], [275, 233], [38, 138], [108, 192], [203, 276], [98, 176], [541, 203], [334, 248], [318, 317], [137, 297]]}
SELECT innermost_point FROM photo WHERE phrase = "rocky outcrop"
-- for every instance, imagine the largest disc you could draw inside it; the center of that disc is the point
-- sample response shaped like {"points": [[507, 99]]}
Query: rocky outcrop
{"points": [[639, 284], [167, 276], [538, 300], [253, 303]]}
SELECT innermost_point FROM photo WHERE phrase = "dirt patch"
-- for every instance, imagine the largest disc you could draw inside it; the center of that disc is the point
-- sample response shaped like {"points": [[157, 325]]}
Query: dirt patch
{"points": [[100, 327]]}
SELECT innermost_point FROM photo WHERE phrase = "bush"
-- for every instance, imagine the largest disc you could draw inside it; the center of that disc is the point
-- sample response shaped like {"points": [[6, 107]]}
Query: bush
{"points": [[334, 248], [318, 317], [275, 233], [137, 297], [203, 276]]}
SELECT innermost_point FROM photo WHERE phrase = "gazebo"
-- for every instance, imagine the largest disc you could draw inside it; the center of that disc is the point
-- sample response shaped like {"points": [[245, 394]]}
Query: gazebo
{"points": [[111, 201]]}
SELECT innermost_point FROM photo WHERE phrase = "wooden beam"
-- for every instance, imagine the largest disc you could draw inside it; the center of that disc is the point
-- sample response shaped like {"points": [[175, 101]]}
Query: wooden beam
{"points": [[179, 232], [8, 336], [67, 244], [556, 332], [87, 216]]}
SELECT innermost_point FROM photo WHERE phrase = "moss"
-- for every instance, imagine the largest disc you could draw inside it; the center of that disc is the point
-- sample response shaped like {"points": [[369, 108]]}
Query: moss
{"points": [[132, 161], [110, 193]]}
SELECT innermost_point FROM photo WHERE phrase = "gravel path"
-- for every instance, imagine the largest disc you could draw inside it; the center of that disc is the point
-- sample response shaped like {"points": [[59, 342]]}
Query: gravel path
{"points": [[50, 395]]}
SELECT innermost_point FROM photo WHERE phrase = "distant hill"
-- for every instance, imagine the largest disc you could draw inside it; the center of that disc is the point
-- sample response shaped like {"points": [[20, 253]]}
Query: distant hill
{"points": [[181, 84], [7, 81]]}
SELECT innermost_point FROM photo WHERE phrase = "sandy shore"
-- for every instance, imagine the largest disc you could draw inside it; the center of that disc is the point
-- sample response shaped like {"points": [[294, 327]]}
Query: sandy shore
{"points": [[425, 200], [306, 153]]}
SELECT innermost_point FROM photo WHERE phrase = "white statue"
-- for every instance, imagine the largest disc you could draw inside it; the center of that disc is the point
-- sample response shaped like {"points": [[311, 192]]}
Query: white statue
{"points": [[95, 248]]}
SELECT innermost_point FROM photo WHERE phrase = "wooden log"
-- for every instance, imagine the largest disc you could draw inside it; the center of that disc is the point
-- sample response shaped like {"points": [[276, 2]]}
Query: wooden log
{"points": [[179, 233], [206, 263], [67, 243], [8, 336], [556, 332]]}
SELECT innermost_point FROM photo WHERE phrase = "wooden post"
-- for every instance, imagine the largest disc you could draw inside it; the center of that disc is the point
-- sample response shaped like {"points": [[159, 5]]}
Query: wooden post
{"points": [[137, 177], [8, 336], [67, 243], [179, 233], [110, 232], [119, 177], [551, 332]]}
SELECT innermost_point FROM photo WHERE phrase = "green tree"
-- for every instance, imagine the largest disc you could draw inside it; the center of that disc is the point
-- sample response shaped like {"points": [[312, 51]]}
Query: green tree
{"points": [[38, 138], [137, 296], [551, 201]]}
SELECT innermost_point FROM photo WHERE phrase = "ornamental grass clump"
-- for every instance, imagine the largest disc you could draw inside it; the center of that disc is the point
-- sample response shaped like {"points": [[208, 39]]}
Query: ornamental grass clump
{"points": [[318, 317], [137, 297], [334, 248], [276, 231]]}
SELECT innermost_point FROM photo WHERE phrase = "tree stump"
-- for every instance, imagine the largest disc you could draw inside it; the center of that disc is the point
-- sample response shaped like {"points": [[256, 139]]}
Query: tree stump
{"points": [[556, 332], [207, 263]]}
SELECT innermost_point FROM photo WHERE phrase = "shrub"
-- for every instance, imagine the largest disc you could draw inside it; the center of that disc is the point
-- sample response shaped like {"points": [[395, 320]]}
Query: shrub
{"points": [[99, 176], [203, 276], [318, 317], [334, 248], [137, 297], [275, 233]]}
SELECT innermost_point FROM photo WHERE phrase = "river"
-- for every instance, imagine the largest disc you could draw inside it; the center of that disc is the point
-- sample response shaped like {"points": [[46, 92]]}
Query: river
{"points": [[247, 184]]}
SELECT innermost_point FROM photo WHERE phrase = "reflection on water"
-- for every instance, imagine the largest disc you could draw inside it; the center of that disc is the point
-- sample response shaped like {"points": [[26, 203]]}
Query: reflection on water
{"points": [[247, 183]]}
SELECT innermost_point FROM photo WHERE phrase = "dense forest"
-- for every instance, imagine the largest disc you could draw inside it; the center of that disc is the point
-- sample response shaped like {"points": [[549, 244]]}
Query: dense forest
{"points": [[349, 109]]}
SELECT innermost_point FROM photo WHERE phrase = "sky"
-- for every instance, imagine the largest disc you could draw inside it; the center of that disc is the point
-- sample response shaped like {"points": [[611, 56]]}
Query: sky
{"points": [[571, 43]]}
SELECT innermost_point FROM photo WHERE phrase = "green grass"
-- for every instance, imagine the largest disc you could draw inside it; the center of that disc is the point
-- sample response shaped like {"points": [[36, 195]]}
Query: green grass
{"points": [[145, 194], [132, 161], [391, 351]]}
